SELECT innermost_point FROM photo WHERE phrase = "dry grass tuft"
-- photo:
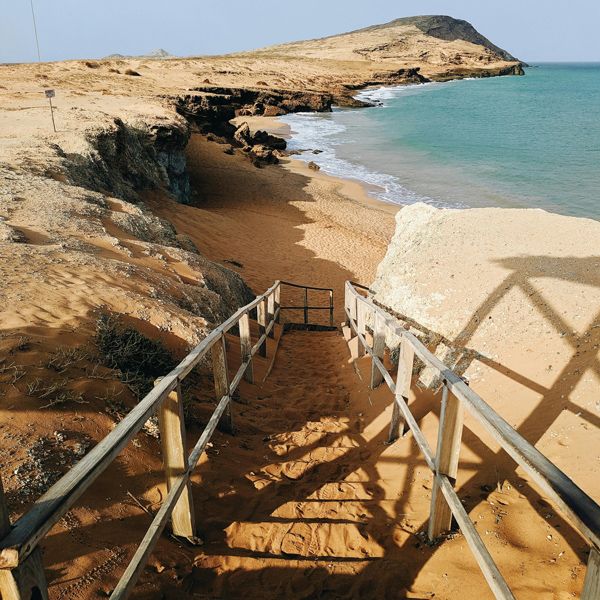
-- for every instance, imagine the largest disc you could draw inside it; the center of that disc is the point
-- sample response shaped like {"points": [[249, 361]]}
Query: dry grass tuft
{"points": [[140, 359]]}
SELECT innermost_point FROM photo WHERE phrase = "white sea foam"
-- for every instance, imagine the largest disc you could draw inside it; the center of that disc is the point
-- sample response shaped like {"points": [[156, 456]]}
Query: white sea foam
{"points": [[382, 94], [314, 131]]}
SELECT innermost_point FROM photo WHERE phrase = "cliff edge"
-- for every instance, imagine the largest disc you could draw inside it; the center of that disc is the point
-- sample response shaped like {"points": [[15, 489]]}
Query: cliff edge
{"points": [[512, 310]]}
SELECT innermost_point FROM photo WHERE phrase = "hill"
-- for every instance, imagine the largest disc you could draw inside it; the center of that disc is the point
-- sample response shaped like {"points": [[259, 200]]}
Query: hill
{"points": [[156, 55], [439, 45], [445, 28]]}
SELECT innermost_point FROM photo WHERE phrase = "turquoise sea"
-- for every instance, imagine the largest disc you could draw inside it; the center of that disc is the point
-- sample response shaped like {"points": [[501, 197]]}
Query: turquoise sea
{"points": [[531, 141]]}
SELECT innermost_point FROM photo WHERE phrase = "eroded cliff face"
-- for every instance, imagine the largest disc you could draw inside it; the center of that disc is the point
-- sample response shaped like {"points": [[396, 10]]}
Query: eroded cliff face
{"points": [[126, 157]]}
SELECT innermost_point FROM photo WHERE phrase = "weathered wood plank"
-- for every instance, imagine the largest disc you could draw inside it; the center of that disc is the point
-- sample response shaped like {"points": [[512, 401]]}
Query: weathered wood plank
{"points": [[378, 350], [281, 331], [403, 381], [4, 516], [277, 294], [305, 305], [261, 317], [140, 558], [174, 454], [331, 308], [574, 502], [26, 581], [271, 312], [361, 327], [309, 308], [221, 376], [446, 461], [246, 346], [591, 583]]}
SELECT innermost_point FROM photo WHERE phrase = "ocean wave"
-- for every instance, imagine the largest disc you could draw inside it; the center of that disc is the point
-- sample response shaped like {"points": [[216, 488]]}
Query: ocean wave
{"points": [[382, 94], [318, 132]]}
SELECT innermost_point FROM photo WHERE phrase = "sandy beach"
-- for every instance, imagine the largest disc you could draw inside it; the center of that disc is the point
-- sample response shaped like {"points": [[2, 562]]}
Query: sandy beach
{"points": [[307, 499]]}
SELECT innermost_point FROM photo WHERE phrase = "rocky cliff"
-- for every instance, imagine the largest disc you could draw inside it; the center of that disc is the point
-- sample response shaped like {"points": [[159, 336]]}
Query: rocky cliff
{"points": [[125, 157], [446, 28], [495, 299], [439, 46]]}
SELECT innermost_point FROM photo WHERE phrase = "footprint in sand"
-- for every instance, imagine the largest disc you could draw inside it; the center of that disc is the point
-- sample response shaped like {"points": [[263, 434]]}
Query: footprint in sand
{"points": [[294, 470], [297, 540]]}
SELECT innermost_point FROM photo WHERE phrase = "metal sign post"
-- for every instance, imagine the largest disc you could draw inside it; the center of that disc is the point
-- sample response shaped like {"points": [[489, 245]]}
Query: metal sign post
{"points": [[51, 94]]}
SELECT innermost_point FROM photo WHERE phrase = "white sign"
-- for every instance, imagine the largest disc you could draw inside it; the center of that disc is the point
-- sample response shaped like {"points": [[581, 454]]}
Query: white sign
{"points": [[49, 93]]}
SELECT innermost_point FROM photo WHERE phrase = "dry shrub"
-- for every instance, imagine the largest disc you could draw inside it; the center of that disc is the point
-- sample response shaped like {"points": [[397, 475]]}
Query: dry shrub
{"points": [[131, 72], [111, 70], [140, 359], [91, 64]]}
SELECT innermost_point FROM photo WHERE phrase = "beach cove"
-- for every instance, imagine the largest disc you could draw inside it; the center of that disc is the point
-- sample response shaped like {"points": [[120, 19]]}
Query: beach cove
{"points": [[146, 205]]}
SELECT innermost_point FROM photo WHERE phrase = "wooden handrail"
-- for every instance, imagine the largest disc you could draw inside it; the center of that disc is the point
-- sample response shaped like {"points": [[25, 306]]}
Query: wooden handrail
{"points": [[582, 510], [19, 547], [305, 307], [306, 287], [32, 527]]}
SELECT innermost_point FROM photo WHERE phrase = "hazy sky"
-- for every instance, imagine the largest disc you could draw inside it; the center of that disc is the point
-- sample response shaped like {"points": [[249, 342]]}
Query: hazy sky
{"points": [[554, 30]]}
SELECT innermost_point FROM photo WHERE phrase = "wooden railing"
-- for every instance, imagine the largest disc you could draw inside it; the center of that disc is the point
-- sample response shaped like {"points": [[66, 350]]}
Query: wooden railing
{"points": [[305, 305], [583, 512], [21, 570]]}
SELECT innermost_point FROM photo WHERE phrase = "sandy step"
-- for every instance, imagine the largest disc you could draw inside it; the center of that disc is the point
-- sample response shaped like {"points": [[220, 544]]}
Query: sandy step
{"points": [[335, 509], [326, 539]]}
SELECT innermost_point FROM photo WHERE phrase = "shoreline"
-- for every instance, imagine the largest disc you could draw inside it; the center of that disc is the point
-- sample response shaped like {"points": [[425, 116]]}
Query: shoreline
{"points": [[354, 190], [86, 251]]}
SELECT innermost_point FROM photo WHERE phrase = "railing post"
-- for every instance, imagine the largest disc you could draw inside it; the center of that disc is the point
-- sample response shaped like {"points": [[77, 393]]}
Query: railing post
{"points": [[403, 381], [361, 326], [28, 580], [446, 461], [330, 308], [378, 350], [261, 315], [347, 304], [221, 376], [174, 453], [277, 303], [305, 305], [271, 313], [591, 583], [246, 345]]}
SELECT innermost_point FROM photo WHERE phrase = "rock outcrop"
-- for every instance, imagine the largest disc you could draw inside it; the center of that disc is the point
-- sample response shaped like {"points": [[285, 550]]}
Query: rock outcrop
{"points": [[449, 29], [124, 158], [489, 294]]}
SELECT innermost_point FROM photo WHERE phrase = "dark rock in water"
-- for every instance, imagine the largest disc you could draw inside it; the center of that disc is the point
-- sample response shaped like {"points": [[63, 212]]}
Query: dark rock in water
{"points": [[347, 101], [317, 151], [294, 152], [242, 135], [272, 141], [260, 154], [314, 166]]}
